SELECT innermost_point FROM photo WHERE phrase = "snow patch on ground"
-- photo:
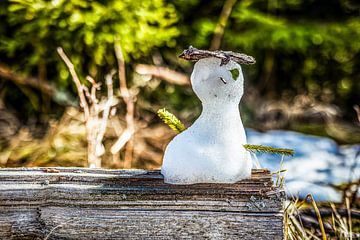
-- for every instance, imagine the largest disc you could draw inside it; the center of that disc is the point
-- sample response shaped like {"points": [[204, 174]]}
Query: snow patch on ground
{"points": [[318, 162]]}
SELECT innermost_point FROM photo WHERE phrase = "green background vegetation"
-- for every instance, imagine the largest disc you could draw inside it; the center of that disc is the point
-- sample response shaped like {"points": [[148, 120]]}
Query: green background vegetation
{"points": [[303, 48]]}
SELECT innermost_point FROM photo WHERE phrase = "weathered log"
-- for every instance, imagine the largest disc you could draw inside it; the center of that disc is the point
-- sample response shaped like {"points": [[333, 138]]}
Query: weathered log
{"points": [[78, 203]]}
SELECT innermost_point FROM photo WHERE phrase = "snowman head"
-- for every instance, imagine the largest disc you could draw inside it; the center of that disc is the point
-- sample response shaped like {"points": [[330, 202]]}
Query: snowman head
{"points": [[214, 83]]}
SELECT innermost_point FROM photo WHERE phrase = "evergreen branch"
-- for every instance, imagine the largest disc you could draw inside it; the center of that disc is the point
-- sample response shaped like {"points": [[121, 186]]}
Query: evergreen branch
{"points": [[267, 149], [169, 119], [174, 123]]}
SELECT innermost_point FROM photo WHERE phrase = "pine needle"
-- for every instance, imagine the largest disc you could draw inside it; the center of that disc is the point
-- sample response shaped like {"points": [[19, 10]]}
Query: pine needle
{"points": [[169, 119], [174, 123], [267, 149]]}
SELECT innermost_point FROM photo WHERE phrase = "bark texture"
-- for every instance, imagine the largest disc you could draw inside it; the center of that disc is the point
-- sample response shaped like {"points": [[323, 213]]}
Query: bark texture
{"points": [[79, 203]]}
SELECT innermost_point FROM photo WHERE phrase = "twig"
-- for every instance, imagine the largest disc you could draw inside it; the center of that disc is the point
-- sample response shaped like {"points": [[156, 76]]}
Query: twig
{"points": [[121, 69], [77, 82], [107, 107], [220, 27], [194, 54], [298, 226], [347, 202], [323, 233], [129, 102], [163, 73], [122, 140], [95, 127], [7, 73], [357, 110], [94, 87]]}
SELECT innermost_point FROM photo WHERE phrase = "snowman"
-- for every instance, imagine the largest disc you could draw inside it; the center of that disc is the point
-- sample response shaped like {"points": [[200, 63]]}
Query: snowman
{"points": [[211, 150]]}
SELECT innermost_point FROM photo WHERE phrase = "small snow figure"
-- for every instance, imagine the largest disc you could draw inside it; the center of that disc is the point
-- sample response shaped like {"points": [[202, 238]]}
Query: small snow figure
{"points": [[211, 150]]}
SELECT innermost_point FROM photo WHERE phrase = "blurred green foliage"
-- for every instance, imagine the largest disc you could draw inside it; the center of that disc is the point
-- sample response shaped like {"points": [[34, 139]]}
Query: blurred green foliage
{"points": [[301, 46], [32, 29]]}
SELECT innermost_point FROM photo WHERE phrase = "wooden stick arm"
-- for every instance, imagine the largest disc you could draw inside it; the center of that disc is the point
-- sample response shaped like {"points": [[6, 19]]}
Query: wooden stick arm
{"points": [[194, 54], [78, 203]]}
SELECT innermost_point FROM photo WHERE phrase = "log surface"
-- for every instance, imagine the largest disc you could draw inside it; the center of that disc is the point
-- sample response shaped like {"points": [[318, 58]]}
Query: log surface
{"points": [[80, 203]]}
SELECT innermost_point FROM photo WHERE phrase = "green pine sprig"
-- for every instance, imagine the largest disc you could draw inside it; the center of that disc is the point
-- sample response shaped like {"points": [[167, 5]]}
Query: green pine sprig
{"points": [[169, 119], [267, 149], [174, 123]]}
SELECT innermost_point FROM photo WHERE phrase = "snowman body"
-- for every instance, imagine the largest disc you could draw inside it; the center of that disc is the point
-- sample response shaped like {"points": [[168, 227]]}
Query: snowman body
{"points": [[211, 150]]}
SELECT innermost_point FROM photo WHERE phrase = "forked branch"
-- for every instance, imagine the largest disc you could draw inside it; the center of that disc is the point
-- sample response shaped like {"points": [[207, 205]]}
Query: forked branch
{"points": [[126, 137], [79, 86]]}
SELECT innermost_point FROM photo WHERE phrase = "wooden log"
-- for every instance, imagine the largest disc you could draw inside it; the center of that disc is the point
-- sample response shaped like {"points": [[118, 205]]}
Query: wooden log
{"points": [[78, 203]]}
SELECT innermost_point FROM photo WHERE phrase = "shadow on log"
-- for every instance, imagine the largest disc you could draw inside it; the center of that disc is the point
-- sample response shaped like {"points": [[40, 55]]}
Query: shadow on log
{"points": [[78, 203]]}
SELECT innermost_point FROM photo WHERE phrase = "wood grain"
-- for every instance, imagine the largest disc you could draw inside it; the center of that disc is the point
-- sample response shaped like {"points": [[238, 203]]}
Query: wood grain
{"points": [[78, 203]]}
